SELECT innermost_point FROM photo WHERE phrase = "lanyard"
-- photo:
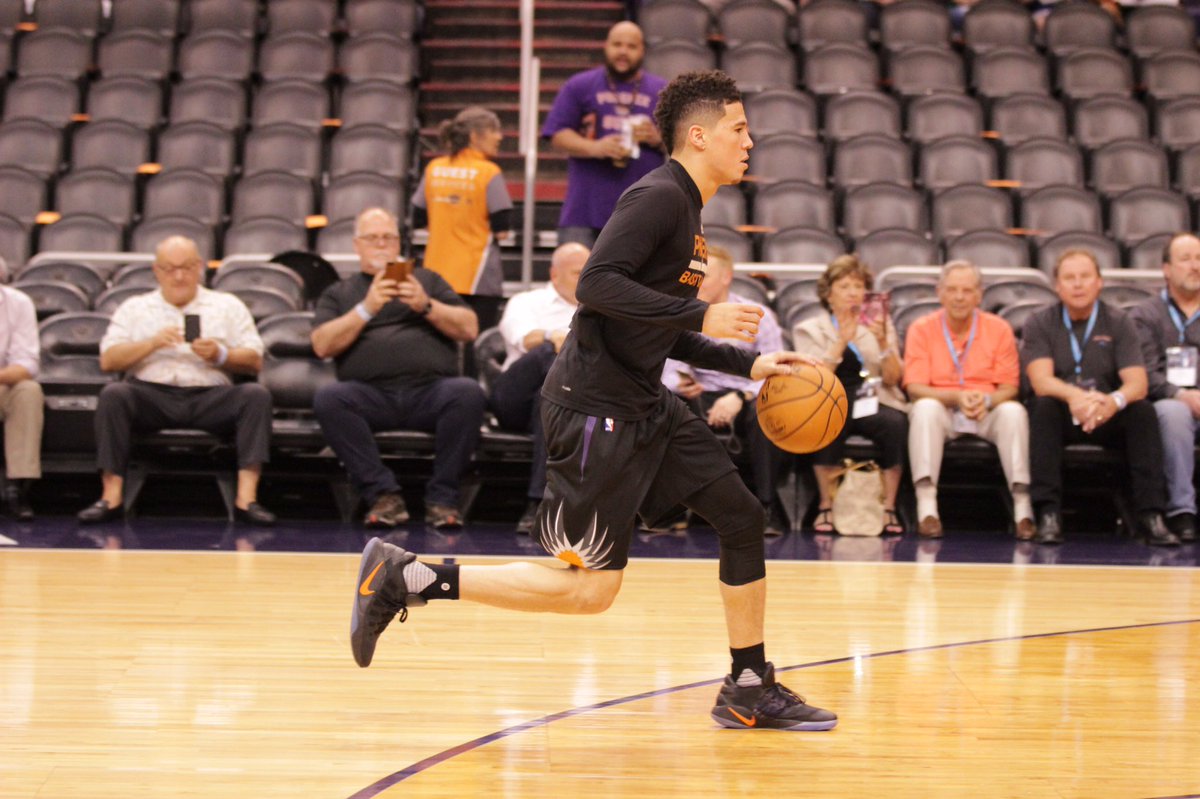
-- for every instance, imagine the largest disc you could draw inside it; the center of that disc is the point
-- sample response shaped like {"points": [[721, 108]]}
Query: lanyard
{"points": [[954, 355], [851, 346], [1177, 318], [1076, 348]]}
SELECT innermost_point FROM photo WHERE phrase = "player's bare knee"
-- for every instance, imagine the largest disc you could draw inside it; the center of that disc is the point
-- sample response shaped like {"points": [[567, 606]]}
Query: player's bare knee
{"points": [[595, 590]]}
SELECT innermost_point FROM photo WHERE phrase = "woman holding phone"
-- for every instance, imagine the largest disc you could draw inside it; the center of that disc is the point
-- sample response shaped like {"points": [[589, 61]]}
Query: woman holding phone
{"points": [[858, 341], [463, 199]]}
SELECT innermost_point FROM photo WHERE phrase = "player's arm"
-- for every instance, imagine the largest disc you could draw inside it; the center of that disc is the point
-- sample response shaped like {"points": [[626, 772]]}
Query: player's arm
{"points": [[644, 217]]}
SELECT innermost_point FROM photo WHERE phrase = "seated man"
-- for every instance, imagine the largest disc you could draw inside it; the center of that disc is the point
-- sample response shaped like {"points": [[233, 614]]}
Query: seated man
{"points": [[534, 325], [962, 373], [727, 402], [1084, 363], [397, 365], [20, 397], [171, 382], [1171, 346]]}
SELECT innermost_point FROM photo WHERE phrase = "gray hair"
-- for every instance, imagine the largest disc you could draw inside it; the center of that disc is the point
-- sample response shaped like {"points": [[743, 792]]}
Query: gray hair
{"points": [[955, 265]]}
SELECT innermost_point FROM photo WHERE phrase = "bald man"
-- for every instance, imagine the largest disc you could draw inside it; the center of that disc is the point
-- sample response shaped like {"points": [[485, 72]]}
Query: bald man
{"points": [[395, 346], [171, 381], [603, 119], [534, 326]]}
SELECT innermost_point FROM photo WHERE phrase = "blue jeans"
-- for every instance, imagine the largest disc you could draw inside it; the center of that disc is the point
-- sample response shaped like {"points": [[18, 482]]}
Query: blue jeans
{"points": [[451, 408], [1178, 428]]}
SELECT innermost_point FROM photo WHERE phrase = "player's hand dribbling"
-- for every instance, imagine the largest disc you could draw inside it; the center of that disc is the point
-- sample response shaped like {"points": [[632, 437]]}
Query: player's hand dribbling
{"points": [[780, 363], [732, 320]]}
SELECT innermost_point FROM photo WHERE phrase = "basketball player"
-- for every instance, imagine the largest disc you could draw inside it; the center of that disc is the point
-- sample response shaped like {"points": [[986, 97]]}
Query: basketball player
{"points": [[618, 443]]}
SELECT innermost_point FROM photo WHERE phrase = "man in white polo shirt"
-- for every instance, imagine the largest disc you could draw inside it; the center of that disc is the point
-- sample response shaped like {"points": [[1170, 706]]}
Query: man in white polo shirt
{"points": [[171, 381], [534, 324]]}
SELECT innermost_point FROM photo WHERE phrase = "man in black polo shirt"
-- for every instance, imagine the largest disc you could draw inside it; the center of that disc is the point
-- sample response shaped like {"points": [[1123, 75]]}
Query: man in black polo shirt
{"points": [[397, 367], [1084, 363], [619, 444], [1170, 345]]}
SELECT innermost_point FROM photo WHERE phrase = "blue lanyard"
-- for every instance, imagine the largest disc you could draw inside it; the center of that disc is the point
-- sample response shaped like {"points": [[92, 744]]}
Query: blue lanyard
{"points": [[1076, 348], [851, 345], [954, 356], [1177, 318]]}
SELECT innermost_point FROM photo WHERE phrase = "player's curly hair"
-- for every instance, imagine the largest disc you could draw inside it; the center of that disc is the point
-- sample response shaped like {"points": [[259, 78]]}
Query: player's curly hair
{"points": [[690, 98]]}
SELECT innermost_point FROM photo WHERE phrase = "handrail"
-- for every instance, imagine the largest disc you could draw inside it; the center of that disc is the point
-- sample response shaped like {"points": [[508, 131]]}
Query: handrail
{"points": [[530, 91]]}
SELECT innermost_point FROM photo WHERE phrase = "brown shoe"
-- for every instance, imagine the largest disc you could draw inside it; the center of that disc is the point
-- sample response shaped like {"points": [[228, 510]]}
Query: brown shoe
{"points": [[930, 527], [1026, 530], [387, 512], [442, 517]]}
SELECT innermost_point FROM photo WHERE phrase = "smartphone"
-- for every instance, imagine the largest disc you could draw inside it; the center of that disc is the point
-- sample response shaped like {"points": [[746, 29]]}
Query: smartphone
{"points": [[191, 327], [874, 308], [398, 270]]}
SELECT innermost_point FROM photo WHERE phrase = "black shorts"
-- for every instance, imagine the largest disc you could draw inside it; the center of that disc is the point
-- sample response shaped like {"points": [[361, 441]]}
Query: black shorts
{"points": [[601, 473]]}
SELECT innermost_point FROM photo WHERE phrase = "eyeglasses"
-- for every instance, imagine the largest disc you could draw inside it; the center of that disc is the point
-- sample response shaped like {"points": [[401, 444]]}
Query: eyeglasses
{"points": [[178, 269], [379, 239]]}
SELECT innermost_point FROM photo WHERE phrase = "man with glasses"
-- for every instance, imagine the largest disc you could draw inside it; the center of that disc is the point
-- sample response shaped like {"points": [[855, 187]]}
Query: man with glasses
{"points": [[1170, 343], [175, 378], [395, 345]]}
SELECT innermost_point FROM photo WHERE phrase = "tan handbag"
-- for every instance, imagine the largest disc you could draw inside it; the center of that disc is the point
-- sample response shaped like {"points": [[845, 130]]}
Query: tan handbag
{"points": [[857, 507]]}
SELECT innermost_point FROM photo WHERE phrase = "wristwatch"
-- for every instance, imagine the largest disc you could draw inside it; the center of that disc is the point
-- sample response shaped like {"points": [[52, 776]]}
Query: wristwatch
{"points": [[428, 307]]}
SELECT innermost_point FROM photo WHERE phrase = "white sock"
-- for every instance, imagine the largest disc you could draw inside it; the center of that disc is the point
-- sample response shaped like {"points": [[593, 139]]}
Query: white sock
{"points": [[1022, 505], [926, 499], [748, 678], [418, 577]]}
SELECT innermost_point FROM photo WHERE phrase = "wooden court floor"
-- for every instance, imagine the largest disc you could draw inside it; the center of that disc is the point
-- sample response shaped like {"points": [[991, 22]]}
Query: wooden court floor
{"points": [[165, 674]]}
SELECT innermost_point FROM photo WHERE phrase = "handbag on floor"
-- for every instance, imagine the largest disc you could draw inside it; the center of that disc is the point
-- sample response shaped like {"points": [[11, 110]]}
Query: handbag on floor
{"points": [[858, 495]]}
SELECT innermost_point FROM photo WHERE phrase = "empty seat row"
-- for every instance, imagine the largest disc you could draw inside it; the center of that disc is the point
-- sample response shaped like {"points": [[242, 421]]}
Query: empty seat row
{"points": [[835, 68], [88, 17], [39, 148], [227, 104], [986, 25], [216, 54]]}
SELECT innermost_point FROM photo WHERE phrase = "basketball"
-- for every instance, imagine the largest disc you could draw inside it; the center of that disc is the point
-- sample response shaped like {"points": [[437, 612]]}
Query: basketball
{"points": [[804, 411]]}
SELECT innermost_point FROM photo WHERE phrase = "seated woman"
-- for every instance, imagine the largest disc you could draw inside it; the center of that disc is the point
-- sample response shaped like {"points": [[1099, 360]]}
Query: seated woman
{"points": [[858, 341]]}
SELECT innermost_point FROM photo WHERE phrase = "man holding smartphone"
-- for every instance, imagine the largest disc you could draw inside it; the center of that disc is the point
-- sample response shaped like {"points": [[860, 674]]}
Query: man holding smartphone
{"points": [[395, 345], [179, 347]]}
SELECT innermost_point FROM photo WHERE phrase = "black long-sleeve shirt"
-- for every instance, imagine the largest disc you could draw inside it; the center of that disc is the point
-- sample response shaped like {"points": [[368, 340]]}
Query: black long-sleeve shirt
{"points": [[638, 306]]}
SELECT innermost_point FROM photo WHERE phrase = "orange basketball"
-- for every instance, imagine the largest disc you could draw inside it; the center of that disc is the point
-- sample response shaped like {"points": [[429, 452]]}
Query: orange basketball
{"points": [[804, 411]]}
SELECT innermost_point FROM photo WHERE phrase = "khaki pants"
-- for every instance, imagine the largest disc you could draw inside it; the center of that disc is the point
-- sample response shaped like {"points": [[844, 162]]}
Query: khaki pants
{"points": [[21, 408], [930, 423]]}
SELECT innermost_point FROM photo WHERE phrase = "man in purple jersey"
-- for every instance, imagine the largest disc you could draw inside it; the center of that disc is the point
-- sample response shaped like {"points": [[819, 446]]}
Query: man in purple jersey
{"points": [[603, 119]]}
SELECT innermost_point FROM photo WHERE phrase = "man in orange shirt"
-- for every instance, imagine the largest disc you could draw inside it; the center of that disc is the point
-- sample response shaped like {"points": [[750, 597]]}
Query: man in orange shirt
{"points": [[962, 373]]}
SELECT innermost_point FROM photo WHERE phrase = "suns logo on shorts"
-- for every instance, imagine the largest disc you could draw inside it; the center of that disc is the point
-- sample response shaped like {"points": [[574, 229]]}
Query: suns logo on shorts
{"points": [[590, 552]]}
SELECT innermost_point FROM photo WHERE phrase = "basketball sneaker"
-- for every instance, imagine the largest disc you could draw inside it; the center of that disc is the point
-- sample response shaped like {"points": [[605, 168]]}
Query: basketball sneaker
{"points": [[769, 706], [380, 595]]}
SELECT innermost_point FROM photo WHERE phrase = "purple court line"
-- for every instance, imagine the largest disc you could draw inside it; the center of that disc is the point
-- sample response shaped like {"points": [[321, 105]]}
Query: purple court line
{"points": [[416, 768]]}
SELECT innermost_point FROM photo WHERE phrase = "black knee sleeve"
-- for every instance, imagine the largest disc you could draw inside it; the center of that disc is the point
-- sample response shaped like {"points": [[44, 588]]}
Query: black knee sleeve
{"points": [[739, 520]]}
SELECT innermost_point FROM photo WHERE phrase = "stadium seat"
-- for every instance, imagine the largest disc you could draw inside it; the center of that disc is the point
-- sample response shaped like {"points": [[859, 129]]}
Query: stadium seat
{"points": [[403, 17], [377, 102], [676, 56], [136, 54], [109, 300], [291, 371], [1044, 162], [234, 16], [943, 114], [905, 294], [989, 248], [890, 247], [149, 233], [667, 19], [185, 192], [823, 22], [1058, 209], [1124, 296], [264, 234], [838, 68], [793, 293], [371, 148], [1128, 164], [25, 194], [46, 98], [378, 56], [1093, 71], [1178, 123], [788, 156], [1143, 212], [871, 158], [282, 194], [156, 16], [757, 66], [802, 246], [14, 241], [32, 145], [1101, 120], [285, 147], [1006, 71], [956, 160], [216, 53], [913, 23], [140, 275], [1072, 26], [749, 288], [337, 238], [1171, 75], [925, 69], [84, 16], [726, 207], [752, 21], [96, 190], [61, 52], [81, 233], [88, 279], [1147, 253], [883, 205], [1004, 293], [134, 100], [987, 26], [858, 112], [794, 203], [198, 145], [1107, 253], [1021, 117], [111, 144], [299, 55], [238, 276], [1018, 314], [962, 209], [347, 195], [904, 317], [52, 297], [739, 245], [265, 302], [296, 102], [1154, 29], [304, 16], [218, 101], [1187, 171]]}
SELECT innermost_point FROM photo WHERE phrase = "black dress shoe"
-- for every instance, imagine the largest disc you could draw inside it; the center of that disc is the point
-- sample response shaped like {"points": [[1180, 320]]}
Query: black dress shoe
{"points": [[528, 519], [1049, 529], [100, 512], [254, 514], [1154, 530], [1183, 525], [16, 498]]}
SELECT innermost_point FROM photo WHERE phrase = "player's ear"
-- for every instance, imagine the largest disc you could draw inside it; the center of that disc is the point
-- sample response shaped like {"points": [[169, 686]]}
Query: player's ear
{"points": [[697, 137]]}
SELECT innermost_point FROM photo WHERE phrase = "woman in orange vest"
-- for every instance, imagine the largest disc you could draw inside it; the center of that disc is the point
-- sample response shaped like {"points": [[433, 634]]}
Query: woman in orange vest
{"points": [[463, 199]]}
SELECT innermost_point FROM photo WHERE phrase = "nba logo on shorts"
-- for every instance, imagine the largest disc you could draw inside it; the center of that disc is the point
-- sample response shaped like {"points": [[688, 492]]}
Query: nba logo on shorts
{"points": [[608, 425]]}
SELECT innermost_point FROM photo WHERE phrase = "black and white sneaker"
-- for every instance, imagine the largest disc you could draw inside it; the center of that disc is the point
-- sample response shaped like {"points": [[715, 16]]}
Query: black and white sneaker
{"points": [[769, 706], [379, 595]]}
